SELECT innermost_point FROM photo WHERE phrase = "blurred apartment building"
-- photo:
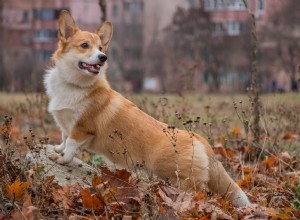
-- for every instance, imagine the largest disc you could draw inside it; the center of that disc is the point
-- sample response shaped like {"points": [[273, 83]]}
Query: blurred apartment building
{"points": [[140, 23], [29, 30], [30, 33], [231, 17], [232, 20], [32, 24], [136, 24], [126, 48]]}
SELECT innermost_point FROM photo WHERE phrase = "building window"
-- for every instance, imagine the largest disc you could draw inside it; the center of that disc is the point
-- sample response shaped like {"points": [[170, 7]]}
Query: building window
{"points": [[224, 4], [44, 14], [134, 7], [43, 55], [25, 16], [218, 4], [233, 28], [218, 28], [260, 5], [236, 5], [207, 4], [45, 35], [26, 38]]}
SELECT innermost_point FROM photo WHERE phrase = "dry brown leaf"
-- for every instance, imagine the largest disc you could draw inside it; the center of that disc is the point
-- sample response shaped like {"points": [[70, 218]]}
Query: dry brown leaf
{"points": [[166, 200], [49, 179], [90, 201], [236, 131], [248, 149], [17, 190], [61, 195], [288, 135], [246, 182], [120, 178], [29, 212], [270, 162], [97, 180], [224, 152], [254, 211], [123, 174], [248, 170], [199, 196]]}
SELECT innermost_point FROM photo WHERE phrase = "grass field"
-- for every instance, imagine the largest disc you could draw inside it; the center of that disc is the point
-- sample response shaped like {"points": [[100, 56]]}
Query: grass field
{"points": [[279, 112], [261, 169]]}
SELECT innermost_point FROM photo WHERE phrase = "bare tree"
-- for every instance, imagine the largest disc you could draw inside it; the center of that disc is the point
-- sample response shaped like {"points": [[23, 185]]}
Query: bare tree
{"points": [[102, 4], [2, 74], [283, 33], [195, 39]]}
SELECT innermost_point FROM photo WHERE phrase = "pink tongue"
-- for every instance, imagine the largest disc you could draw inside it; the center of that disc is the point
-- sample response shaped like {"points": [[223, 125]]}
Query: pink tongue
{"points": [[92, 68]]}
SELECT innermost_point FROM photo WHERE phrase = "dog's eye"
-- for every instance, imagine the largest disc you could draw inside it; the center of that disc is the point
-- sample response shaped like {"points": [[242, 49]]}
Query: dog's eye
{"points": [[100, 48], [84, 45]]}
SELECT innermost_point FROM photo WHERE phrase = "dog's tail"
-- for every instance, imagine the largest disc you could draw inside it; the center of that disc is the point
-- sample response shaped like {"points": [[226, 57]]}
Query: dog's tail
{"points": [[221, 183]]}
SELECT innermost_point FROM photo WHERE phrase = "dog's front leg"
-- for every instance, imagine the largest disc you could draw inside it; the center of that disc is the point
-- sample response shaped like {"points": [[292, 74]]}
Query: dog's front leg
{"points": [[62, 146], [69, 151], [71, 146]]}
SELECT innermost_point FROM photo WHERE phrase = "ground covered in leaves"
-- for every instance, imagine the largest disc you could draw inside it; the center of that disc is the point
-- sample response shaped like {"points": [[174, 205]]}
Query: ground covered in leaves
{"points": [[268, 173]]}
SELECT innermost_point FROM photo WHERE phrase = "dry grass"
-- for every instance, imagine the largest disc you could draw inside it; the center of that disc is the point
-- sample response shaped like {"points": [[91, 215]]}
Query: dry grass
{"points": [[219, 113], [199, 102], [13, 99]]}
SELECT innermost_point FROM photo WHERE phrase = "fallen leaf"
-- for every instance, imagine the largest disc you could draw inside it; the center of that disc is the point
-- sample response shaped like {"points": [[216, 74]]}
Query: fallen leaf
{"points": [[97, 180], [288, 136], [236, 131], [29, 212], [117, 179], [246, 182], [199, 196], [248, 149], [17, 190], [90, 201], [123, 174], [61, 196], [270, 162], [224, 152]]}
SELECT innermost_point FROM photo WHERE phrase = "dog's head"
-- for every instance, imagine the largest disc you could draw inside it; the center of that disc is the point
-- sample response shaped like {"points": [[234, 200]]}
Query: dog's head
{"points": [[81, 52]]}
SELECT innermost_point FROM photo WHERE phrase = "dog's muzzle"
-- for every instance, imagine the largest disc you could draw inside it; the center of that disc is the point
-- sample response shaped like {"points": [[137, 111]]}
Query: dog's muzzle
{"points": [[92, 68]]}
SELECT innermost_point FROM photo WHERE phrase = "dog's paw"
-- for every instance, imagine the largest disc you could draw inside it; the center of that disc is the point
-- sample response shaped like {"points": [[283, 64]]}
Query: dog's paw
{"points": [[53, 156], [60, 158], [64, 160], [59, 148]]}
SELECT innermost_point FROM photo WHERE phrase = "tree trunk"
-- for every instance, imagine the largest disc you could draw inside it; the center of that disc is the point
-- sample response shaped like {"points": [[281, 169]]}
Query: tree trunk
{"points": [[2, 74], [102, 4]]}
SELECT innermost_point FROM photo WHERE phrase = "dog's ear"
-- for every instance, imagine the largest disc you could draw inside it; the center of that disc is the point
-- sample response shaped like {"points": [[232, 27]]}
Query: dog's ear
{"points": [[66, 26], [105, 32]]}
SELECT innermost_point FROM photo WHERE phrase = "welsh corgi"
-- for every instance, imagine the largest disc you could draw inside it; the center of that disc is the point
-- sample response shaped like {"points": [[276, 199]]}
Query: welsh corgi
{"points": [[92, 115]]}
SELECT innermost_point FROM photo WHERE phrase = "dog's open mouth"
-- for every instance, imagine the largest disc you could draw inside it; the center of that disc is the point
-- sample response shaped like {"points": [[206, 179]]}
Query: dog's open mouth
{"points": [[93, 68]]}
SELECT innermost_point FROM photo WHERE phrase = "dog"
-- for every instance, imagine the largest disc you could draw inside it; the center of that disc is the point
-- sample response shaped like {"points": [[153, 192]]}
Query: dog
{"points": [[93, 116]]}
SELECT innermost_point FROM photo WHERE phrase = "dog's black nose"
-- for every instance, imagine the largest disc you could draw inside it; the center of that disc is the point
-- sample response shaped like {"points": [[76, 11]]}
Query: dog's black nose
{"points": [[102, 57]]}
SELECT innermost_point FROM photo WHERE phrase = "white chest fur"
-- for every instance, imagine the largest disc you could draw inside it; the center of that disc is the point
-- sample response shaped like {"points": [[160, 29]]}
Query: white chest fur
{"points": [[67, 101]]}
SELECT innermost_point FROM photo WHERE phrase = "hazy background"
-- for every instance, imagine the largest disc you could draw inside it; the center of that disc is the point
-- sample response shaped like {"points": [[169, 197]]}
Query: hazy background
{"points": [[165, 46]]}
